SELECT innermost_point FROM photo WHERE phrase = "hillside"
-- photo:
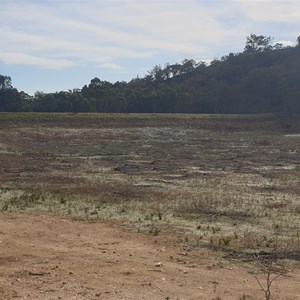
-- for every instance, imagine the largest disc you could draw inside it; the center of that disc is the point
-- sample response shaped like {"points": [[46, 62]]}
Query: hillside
{"points": [[261, 79]]}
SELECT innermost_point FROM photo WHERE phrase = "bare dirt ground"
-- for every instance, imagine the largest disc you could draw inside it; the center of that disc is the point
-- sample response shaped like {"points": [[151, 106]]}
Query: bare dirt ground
{"points": [[47, 257]]}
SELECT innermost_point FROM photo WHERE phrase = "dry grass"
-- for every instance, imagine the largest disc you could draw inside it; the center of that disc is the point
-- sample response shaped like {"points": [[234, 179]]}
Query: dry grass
{"points": [[224, 182]]}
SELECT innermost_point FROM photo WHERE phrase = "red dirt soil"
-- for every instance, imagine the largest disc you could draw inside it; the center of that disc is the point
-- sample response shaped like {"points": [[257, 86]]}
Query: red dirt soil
{"points": [[50, 257]]}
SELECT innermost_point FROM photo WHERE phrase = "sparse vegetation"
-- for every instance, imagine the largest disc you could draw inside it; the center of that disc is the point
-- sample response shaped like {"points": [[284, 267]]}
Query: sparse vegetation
{"points": [[230, 181], [271, 266]]}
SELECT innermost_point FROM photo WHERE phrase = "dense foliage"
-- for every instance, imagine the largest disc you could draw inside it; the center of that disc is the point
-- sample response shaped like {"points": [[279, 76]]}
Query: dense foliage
{"points": [[262, 78]]}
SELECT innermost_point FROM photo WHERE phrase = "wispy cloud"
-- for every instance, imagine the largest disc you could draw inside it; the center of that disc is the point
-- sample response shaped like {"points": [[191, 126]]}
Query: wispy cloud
{"points": [[112, 67], [104, 30], [280, 19], [26, 59], [271, 10]]}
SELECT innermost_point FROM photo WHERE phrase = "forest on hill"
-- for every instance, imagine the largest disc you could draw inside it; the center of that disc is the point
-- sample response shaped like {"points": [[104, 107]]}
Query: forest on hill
{"points": [[263, 78]]}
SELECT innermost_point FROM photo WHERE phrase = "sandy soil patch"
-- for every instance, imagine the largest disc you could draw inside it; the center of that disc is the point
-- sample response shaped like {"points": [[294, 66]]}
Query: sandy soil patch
{"points": [[46, 257]]}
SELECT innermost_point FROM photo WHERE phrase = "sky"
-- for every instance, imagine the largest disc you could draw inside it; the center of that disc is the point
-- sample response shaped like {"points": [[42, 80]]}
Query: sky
{"points": [[55, 45]]}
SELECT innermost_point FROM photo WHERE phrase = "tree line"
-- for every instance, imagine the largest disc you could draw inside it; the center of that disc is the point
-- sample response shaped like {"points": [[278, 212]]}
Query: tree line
{"points": [[262, 78]]}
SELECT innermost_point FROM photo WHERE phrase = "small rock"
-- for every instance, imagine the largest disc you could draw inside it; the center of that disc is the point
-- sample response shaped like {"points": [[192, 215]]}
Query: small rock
{"points": [[158, 264]]}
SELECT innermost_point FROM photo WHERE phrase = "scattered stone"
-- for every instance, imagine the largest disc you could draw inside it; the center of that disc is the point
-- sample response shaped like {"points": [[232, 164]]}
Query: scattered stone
{"points": [[158, 264], [155, 270]]}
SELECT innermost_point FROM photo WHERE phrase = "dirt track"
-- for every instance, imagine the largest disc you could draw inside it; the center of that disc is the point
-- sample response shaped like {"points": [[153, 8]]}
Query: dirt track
{"points": [[47, 257]]}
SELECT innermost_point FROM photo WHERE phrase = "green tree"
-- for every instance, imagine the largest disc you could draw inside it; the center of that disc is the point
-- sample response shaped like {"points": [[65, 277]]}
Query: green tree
{"points": [[64, 101], [5, 82], [257, 43], [188, 65], [10, 99]]}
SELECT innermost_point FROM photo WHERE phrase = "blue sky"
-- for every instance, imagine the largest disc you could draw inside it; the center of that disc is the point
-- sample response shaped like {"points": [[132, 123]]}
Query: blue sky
{"points": [[55, 45]]}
